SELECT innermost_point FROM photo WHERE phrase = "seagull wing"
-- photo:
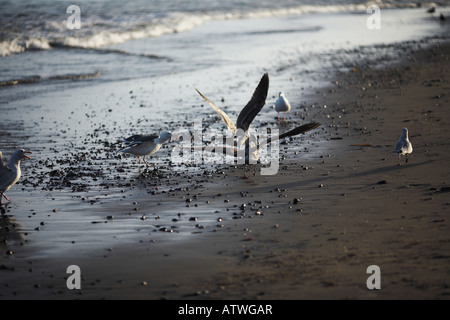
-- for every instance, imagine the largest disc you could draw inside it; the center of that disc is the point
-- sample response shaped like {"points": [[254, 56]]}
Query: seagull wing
{"points": [[231, 126], [5, 174], [296, 131], [138, 139], [302, 129], [255, 104]]}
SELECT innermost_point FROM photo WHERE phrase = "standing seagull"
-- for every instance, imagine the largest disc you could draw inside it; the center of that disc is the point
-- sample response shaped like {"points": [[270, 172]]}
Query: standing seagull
{"points": [[145, 145], [10, 173], [403, 146], [282, 105], [247, 114]]}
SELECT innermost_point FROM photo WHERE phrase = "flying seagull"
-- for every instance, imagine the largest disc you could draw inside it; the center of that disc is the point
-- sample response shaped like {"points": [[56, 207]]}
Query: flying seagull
{"points": [[403, 146], [251, 152], [282, 105], [145, 145], [248, 113], [10, 173]]}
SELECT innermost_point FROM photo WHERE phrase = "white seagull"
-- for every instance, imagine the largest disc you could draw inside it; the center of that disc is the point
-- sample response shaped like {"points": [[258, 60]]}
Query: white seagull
{"points": [[282, 105], [403, 146], [247, 114], [10, 173], [145, 145]]}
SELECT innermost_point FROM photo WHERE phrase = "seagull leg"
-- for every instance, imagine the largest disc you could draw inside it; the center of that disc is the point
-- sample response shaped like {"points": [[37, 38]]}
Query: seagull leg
{"points": [[245, 169], [406, 161], [399, 160], [4, 195], [139, 157], [148, 165], [254, 170]]}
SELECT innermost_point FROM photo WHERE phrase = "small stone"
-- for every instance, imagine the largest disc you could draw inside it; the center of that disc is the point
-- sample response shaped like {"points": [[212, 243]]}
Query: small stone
{"points": [[296, 201]]}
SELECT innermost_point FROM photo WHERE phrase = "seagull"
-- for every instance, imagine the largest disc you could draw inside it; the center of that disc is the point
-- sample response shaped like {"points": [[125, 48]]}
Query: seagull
{"points": [[403, 146], [10, 173], [247, 114], [282, 105], [145, 145], [251, 152]]}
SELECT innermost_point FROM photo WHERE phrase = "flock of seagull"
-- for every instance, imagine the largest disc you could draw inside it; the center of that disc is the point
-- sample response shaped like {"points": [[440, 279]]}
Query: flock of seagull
{"points": [[145, 145]]}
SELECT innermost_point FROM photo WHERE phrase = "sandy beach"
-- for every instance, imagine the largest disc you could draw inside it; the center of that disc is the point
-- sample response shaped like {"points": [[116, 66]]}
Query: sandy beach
{"points": [[338, 204]]}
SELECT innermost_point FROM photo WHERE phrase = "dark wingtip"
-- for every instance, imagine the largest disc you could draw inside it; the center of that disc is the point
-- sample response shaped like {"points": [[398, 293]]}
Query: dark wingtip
{"points": [[302, 129]]}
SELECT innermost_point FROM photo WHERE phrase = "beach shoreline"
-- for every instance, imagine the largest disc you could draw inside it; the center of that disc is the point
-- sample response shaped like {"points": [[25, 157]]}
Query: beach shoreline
{"points": [[356, 208]]}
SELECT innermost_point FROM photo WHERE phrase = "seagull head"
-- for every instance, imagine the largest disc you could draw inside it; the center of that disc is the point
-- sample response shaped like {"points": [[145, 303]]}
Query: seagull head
{"points": [[281, 94], [404, 132], [165, 136], [22, 154], [19, 155]]}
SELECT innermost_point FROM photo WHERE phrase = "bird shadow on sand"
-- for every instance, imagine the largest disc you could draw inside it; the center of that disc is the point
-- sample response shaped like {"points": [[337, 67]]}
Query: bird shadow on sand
{"points": [[319, 181], [8, 227], [387, 169]]}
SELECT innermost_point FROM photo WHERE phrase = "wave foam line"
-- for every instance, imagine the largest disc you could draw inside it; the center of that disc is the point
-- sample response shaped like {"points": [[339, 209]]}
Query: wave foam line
{"points": [[34, 79]]}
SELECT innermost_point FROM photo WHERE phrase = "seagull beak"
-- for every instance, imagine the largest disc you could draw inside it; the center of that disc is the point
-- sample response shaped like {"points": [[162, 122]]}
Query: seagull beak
{"points": [[25, 156]]}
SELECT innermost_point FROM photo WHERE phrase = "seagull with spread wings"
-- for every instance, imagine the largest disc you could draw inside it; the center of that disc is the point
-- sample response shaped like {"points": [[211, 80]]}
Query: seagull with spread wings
{"points": [[251, 151], [247, 114]]}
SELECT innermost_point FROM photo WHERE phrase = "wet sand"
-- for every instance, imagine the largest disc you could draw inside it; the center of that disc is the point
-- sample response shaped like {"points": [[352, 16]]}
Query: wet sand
{"points": [[357, 208]]}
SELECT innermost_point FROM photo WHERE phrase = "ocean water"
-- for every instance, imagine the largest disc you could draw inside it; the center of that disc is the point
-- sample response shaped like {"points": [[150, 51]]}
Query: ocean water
{"points": [[34, 25], [30, 26]]}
